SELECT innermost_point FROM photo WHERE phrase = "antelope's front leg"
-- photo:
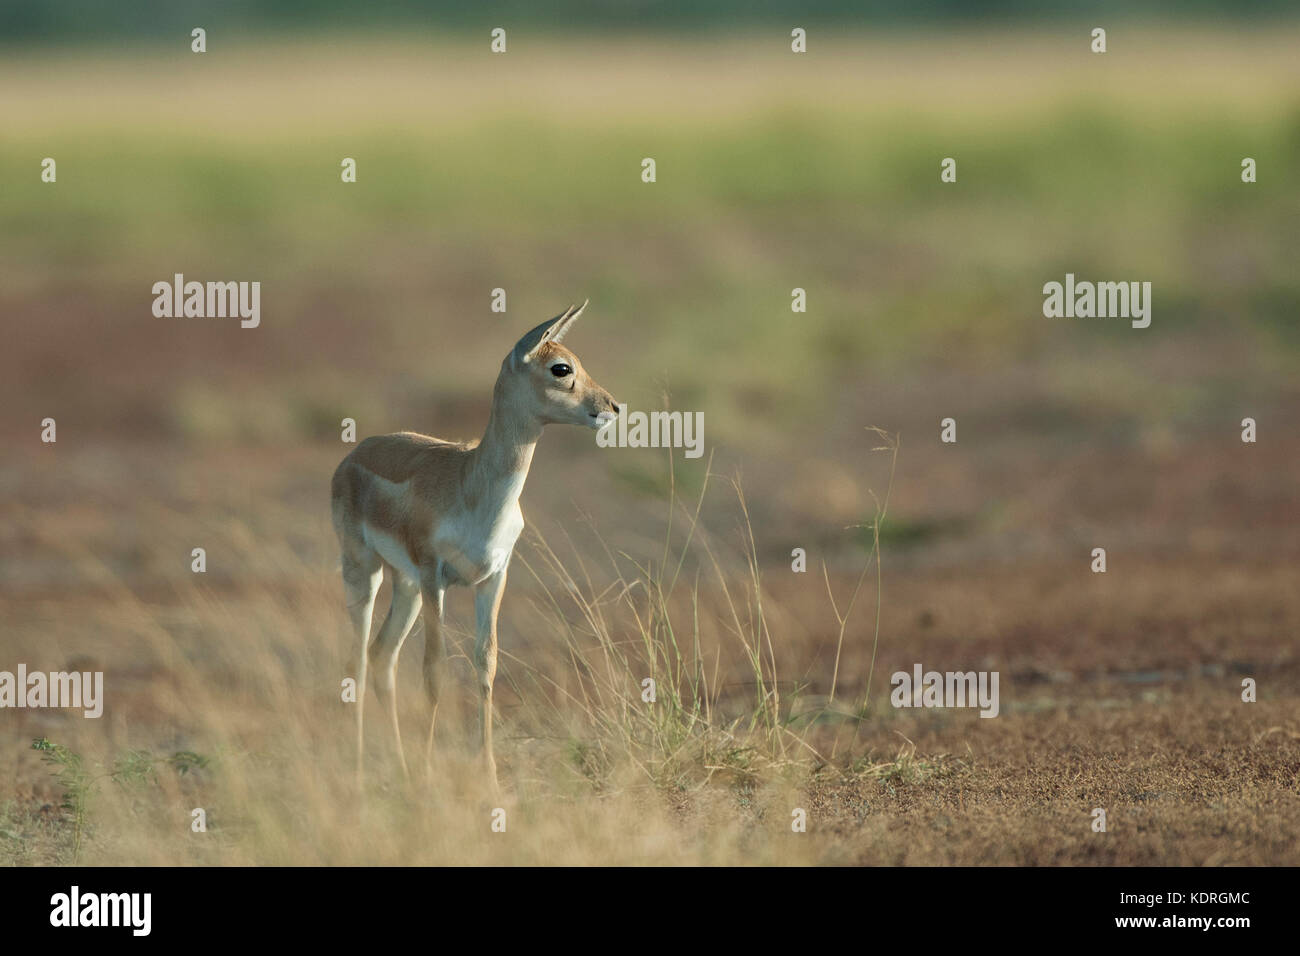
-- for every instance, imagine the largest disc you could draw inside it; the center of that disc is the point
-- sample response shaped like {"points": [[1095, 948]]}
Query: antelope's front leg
{"points": [[434, 584], [487, 601]]}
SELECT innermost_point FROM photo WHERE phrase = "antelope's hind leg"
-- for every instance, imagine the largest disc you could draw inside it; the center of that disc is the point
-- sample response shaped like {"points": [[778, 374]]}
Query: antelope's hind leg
{"points": [[362, 575], [383, 653]]}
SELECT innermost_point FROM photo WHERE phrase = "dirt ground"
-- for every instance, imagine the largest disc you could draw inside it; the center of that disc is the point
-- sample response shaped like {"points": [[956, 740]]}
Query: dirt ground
{"points": [[1120, 691]]}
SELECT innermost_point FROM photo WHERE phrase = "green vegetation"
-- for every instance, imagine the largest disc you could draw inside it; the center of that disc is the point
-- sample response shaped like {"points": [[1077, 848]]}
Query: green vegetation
{"points": [[79, 782], [527, 178]]}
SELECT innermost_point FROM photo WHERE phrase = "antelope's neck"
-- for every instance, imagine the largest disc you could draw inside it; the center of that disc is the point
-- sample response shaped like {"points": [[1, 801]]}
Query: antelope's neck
{"points": [[501, 461]]}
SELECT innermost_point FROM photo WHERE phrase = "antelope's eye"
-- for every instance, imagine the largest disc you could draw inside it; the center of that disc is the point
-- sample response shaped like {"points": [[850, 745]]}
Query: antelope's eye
{"points": [[559, 370]]}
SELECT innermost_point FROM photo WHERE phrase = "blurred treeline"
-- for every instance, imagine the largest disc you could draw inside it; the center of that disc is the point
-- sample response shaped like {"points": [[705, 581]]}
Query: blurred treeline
{"points": [[95, 20]]}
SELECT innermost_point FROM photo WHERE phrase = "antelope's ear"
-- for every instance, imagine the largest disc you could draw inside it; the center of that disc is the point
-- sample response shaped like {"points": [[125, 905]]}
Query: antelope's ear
{"points": [[566, 322], [552, 330]]}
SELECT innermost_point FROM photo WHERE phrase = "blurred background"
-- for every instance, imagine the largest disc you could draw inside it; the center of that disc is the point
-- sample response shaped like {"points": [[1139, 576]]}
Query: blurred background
{"points": [[522, 171]]}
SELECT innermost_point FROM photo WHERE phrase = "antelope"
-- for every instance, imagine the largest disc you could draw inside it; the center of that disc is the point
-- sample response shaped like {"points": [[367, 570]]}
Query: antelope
{"points": [[439, 513]]}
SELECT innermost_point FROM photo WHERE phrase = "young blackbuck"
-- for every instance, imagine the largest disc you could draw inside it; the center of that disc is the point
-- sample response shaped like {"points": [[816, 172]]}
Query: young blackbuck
{"points": [[438, 513]]}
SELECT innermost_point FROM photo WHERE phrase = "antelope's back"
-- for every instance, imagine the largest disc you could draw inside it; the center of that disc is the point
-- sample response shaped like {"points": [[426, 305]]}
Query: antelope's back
{"points": [[387, 480]]}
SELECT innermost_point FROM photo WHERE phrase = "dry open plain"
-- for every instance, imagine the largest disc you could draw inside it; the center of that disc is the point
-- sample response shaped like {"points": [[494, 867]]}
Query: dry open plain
{"points": [[1120, 691]]}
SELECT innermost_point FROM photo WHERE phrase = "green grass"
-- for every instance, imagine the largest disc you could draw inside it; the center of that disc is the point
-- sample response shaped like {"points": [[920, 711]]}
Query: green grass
{"points": [[829, 185]]}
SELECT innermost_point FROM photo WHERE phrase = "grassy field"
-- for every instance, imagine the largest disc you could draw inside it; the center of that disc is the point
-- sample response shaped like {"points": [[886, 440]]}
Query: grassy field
{"points": [[1119, 691]]}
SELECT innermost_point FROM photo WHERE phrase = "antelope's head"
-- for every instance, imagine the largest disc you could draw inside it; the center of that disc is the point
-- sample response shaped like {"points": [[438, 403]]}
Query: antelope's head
{"points": [[543, 379]]}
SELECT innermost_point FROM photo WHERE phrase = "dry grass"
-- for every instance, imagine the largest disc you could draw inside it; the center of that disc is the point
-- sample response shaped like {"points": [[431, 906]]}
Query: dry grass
{"points": [[239, 676], [382, 81], [584, 751]]}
